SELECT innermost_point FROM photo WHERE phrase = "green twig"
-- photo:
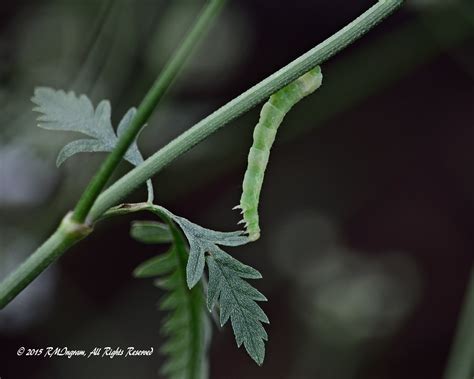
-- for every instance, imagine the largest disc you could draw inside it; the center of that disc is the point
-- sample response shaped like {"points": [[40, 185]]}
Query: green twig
{"points": [[261, 91], [145, 109], [461, 359]]}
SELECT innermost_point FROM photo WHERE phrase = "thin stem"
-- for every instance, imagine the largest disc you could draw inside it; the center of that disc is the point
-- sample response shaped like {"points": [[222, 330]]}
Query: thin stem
{"points": [[144, 111], [68, 233], [461, 359], [261, 91]]}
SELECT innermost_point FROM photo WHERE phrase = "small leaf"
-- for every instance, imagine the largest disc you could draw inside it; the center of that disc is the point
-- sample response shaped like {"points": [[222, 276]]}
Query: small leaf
{"points": [[151, 232], [195, 266], [67, 112], [80, 146], [236, 238], [133, 154], [159, 265], [241, 269], [237, 301], [202, 240]]}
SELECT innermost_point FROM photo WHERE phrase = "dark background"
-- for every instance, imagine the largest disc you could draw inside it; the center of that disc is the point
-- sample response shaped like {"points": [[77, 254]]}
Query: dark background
{"points": [[367, 205]]}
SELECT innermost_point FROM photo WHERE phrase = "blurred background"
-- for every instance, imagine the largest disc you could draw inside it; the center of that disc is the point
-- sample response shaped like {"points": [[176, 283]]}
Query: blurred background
{"points": [[366, 209]]}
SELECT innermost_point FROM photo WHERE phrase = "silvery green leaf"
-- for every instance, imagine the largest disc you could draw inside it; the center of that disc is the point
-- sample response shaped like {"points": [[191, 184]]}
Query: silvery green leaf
{"points": [[68, 112], [65, 111], [195, 231], [133, 154], [237, 302], [80, 146], [196, 262], [201, 241]]}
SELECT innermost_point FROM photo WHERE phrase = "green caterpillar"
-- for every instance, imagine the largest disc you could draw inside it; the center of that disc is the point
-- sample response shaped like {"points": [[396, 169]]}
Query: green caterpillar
{"points": [[271, 116]]}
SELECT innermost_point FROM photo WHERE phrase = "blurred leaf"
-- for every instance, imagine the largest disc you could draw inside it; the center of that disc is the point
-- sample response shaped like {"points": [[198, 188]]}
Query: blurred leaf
{"points": [[187, 325], [155, 266], [67, 112], [151, 232]]}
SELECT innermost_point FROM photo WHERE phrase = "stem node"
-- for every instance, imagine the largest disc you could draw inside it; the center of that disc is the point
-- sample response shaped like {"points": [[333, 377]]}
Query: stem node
{"points": [[74, 229]]}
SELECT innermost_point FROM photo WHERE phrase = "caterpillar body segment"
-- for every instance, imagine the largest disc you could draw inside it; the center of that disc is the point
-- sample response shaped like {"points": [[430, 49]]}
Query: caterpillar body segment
{"points": [[271, 117]]}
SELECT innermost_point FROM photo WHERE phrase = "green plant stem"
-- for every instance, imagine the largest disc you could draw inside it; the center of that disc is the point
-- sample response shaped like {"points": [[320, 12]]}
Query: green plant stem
{"points": [[145, 109], [461, 359], [261, 91], [68, 233]]}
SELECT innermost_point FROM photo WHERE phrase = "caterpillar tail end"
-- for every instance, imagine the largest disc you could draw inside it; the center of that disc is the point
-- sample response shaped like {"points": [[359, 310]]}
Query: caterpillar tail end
{"points": [[254, 232], [254, 236]]}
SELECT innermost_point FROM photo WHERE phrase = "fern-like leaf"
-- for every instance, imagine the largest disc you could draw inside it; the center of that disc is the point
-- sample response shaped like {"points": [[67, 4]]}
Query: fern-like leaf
{"points": [[227, 289], [201, 241], [68, 112], [236, 298], [187, 326], [237, 301]]}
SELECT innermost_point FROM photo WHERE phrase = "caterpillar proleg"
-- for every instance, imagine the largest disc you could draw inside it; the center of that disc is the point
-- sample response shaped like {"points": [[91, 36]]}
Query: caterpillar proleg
{"points": [[271, 116]]}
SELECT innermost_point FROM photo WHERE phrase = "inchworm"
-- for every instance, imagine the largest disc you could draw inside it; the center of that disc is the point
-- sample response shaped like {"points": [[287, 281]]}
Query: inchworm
{"points": [[271, 116]]}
